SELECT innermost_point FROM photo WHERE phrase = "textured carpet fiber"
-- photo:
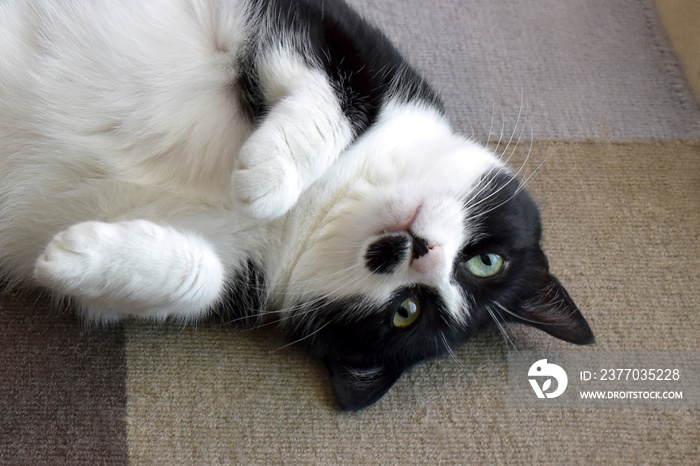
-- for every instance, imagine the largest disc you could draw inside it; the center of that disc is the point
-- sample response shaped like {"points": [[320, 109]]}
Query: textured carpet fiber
{"points": [[596, 69], [62, 387], [598, 90]]}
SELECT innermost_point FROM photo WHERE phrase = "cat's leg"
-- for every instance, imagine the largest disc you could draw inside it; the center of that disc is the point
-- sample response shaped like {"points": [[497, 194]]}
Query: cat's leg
{"points": [[133, 268], [300, 137]]}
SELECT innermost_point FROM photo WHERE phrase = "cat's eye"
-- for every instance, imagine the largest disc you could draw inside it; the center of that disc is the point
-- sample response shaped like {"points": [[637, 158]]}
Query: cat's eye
{"points": [[407, 313], [486, 265]]}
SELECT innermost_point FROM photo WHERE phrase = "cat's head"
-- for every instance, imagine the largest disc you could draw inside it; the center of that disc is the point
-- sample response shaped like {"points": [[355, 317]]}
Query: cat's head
{"points": [[431, 241]]}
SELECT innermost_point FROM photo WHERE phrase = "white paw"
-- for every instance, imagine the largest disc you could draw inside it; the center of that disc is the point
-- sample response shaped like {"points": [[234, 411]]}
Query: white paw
{"points": [[132, 268], [266, 180], [73, 260]]}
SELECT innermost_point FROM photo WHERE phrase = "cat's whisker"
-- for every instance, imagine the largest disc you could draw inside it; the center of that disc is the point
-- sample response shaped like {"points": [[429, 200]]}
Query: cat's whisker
{"points": [[546, 159], [325, 293], [290, 312], [518, 316], [450, 351], [484, 213], [532, 139], [493, 109], [520, 137], [480, 186], [483, 185], [309, 306], [517, 142], [470, 205], [308, 285], [515, 128], [471, 126], [520, 187], [305, 337], [493, 313], [503, 130], [305, 284]]}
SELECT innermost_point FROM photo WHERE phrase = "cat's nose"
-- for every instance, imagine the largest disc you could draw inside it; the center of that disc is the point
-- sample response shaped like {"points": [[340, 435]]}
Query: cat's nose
{"points": [[420, 246], [429, 262]]}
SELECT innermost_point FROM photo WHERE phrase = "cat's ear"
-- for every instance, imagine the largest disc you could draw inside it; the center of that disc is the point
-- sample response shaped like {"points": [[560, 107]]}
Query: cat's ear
{"points": [[551, 309], [359, 387]]}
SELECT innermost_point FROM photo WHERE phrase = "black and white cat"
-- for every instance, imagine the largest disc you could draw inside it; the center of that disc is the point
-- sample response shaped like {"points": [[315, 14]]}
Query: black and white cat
{"points": [[273, 159]]}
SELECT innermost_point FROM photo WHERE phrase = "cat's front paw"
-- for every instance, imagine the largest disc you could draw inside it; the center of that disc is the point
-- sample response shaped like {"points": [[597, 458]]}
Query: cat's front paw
{"points": [[266, 181], [71, 263], [134, 268]]}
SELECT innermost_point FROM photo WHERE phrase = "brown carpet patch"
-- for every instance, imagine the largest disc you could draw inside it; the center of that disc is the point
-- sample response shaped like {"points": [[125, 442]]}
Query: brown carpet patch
{"points": [[62, 387]]}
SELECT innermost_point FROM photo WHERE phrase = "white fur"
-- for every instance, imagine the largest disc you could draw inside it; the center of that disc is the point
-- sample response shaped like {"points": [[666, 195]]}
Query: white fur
{"points": [[152, 271], [130, 180], [298, 141]]}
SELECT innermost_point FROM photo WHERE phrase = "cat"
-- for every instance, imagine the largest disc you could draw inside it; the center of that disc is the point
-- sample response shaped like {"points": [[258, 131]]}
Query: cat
{"points": [[276, 161]]}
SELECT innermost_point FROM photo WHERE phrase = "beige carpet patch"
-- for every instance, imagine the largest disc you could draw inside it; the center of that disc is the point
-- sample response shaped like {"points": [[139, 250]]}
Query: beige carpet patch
{"points": [[622, 227]]}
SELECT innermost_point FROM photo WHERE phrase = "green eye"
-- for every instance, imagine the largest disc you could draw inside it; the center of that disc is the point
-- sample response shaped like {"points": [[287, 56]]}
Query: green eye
{"points": [[407, 313], [485, 265]]}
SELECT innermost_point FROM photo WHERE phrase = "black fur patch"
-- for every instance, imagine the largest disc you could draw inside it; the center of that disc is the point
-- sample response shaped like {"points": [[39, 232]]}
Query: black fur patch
{"points": [[509, 224], [244, 302], [251, 94], [507, 221], [386, 254], [363, 66]]}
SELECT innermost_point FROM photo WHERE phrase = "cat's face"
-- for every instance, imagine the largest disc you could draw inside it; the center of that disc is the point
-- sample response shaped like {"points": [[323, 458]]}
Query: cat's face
{"points": [[437, 242]]}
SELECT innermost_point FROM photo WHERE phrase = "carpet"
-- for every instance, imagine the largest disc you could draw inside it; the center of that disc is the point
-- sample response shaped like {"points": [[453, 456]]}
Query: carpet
{"points": [[596, 88]]}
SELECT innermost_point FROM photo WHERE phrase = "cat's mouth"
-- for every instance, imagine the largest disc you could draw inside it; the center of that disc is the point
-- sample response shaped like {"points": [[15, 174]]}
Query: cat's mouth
{"points": [[424, 256], [400, 244]]}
